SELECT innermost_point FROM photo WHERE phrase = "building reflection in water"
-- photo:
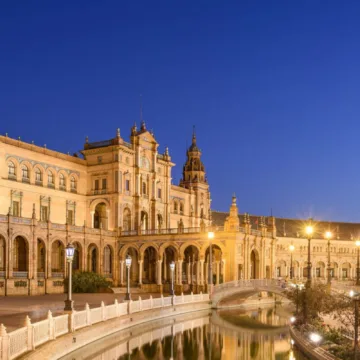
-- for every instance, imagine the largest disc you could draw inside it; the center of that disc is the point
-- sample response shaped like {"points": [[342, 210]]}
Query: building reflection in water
{"points": [[254, 335]]}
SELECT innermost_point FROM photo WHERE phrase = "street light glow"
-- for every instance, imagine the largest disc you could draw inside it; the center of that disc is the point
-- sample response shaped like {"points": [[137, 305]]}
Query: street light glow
{"points": [[291, 248], [70, 251], [315, 337], [328, 235], [357, 243], [292, 319], [351, 293], [172, 266], [128, 261], [309, 230], [211, 235]]}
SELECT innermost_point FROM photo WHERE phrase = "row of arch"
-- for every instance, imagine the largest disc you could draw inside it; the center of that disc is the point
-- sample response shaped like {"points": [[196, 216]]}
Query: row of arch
{"points": [[319, 269], [150, 262], [27, 173]]}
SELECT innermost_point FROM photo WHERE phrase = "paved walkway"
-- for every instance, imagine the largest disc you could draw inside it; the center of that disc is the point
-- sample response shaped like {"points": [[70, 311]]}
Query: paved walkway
{"points": [[13, 309]]}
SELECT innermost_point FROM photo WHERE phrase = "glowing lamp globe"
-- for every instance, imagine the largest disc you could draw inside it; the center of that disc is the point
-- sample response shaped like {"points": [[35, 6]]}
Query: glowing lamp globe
{"points": [[128, 261], [70, 251], [211, 235], [315, 337], [172, 266], [357, 243], [309, 230], [291, 248]]}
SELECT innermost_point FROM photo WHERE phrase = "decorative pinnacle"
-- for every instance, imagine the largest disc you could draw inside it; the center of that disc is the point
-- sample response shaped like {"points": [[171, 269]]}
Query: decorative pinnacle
{"points": [[86, 140], [118, 132]]}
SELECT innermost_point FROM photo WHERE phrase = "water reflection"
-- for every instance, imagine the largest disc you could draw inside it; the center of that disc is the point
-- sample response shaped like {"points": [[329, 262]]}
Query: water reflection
{"points": [[259, 334]]}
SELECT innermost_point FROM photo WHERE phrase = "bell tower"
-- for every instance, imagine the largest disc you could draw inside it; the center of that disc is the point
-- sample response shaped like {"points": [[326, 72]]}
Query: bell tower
{"points": [[194, 169]]}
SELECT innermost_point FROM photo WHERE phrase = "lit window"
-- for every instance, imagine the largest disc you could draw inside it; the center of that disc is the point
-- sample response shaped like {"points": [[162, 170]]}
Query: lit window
{"points": [[38, 175], [181, 208], [144, 188], [127, 185], [104, 183], [50, 178], [11, 169], [175, 207], [25, 172], [73, 183], [159, 193], [62, 180]]}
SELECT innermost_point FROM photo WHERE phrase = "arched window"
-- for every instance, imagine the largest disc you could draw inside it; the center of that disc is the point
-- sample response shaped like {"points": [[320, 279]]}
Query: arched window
{"points": [[38, 175], [62, 182], [127, 220], [25, 172], [50, 179], [11, 169], [181, 208], [175, 207], [73, 183], [107, 261]]}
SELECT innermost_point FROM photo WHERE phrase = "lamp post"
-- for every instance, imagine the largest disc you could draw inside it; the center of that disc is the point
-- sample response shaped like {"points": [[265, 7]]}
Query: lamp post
{"points": [[356, 299], [172, 268], [309, 231], [211, 236], [291, 248], [328, 236], [128, 265], [357, 243], [70, 251]]}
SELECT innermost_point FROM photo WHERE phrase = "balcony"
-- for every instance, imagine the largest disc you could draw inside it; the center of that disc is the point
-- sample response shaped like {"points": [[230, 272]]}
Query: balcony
{"points": [[51, 186], [57, 274], [73, 190], [2, 274], [38, 182], [12, 177], [20, 274], [25, 180], [41, 275], [62, 187]]}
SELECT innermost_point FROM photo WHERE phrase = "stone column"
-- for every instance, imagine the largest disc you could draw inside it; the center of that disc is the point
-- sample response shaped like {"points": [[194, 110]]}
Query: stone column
{"points": [[198, 273], [202, 272], [180, 271], [159, 263], [217, 272], [107, 220], [165, 270], [92, 213], [140, 271], [188, 273], [223, 269], [206, 273], [121, 272]]}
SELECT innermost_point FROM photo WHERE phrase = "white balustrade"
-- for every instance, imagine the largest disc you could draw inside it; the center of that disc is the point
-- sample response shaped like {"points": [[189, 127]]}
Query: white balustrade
{"points": [[41, 332], [61, 324], [29, 337]]}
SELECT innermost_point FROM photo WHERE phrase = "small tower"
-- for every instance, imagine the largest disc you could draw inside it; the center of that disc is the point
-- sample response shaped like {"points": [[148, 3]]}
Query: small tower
{"points": [[194, 169], [232, 222]]}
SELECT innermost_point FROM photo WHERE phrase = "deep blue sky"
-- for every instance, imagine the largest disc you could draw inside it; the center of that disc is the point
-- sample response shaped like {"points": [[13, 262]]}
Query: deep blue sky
{"points": [[272, 87]]}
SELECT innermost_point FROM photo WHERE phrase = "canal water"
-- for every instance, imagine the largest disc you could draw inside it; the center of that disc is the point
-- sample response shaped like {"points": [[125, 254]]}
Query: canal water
{"points": [[258, 334]]}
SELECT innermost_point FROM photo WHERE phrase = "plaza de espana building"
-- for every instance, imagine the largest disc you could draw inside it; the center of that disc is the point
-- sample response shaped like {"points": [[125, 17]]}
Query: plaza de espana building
{"points": [[117, 199]]}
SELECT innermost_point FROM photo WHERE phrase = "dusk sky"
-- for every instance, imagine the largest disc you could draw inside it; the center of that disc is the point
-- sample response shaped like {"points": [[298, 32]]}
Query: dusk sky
{"points": [[273, 88]]}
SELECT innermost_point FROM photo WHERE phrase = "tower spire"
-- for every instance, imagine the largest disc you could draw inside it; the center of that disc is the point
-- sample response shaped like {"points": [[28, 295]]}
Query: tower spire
{"points": [[142, 122], [194, 135]]}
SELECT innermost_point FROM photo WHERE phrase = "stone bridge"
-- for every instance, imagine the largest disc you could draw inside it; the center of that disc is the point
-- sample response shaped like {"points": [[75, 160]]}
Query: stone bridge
{"points": [[244, 286]]}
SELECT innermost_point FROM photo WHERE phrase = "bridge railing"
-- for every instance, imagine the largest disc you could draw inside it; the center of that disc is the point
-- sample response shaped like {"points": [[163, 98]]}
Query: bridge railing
{"points": [[250, 284]]}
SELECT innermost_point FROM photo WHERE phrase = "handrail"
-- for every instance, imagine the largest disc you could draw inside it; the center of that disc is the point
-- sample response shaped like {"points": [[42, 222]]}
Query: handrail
{"points": [[30, 336]]}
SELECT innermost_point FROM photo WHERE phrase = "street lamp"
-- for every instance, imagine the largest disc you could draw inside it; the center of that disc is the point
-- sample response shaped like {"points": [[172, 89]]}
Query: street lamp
{"points": [[357, 243], [128, 265], [309, 231], [315, 338], [172, 268], [328, 236], [211, 236], [70, 251], [291, 248], [355, 296]]}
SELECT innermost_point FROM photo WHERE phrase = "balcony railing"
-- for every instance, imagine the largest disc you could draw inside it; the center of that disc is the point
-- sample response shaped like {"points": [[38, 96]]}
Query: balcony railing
{"points": [[20, 274], [25, 180], [2, 274], [51, 186], [62, 187], [57, 274], [38, 182], [12, 177], [41, 275]]}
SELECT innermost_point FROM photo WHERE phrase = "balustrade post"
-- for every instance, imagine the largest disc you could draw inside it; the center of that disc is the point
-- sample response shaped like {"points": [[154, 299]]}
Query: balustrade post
{"points": [[162, 300], [103, 311], [129, 306], [5, 343], [71, 322], [88, 314], [51, 325], [182, 297], [192, 297], [140, 303], [117, 308], [30, 334], [151, 302]]}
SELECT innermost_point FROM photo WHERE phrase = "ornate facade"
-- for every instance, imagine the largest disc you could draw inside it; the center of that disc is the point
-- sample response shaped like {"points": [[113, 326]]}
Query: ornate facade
{"points": [[117, 198]]}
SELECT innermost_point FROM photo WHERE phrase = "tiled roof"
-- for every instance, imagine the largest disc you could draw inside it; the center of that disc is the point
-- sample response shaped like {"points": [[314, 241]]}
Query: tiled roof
{"points": [[295, 227]]}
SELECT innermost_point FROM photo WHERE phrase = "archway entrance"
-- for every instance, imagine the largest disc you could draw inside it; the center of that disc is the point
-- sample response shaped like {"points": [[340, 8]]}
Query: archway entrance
{"points": [[254, 265]]}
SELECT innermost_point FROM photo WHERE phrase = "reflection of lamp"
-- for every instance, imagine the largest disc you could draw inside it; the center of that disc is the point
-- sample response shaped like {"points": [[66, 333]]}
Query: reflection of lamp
{"points": [[128, 265], [211, 236], [291, 248], [292, 319], [315, 338], [172, 268], [70, 251], [357, 243]]}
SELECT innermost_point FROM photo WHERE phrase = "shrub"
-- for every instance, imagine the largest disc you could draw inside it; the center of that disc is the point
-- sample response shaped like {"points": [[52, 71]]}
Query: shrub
{"points": [[89, 282]]}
